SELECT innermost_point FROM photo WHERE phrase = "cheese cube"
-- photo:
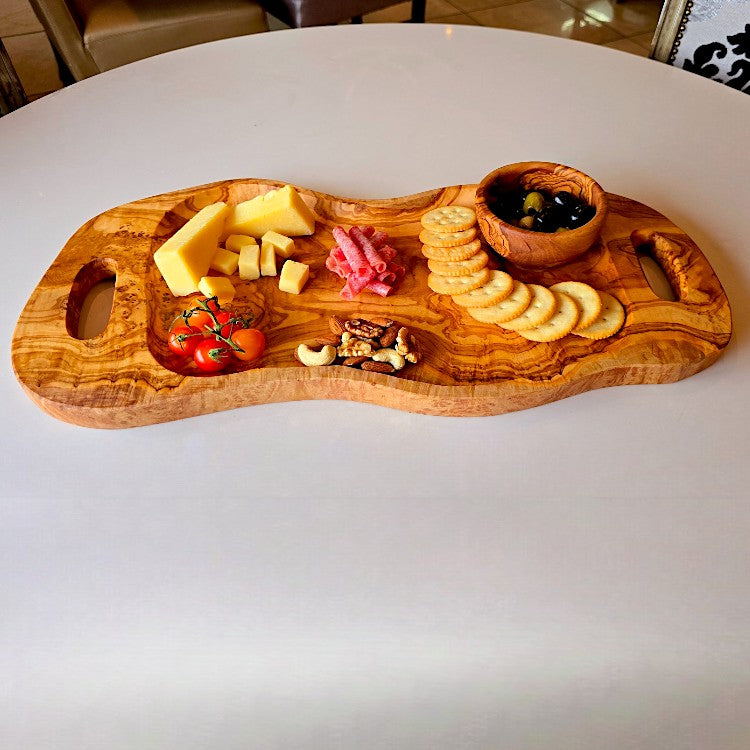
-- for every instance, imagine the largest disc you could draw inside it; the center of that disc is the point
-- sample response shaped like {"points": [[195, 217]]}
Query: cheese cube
{"points": [[250, 262], [217, 286], [225, 261], [284, 245], [186, 256], [235, 242], [280, 210], [267, 260], [293, 277]]}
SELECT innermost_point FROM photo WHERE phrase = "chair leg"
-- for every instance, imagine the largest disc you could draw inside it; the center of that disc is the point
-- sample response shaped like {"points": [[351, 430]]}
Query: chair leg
{"points": [[417, 11], [356, 19], [12, 95], [66, 77]]}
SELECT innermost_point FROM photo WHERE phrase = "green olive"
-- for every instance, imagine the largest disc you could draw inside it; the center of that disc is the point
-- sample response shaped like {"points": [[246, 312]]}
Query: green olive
{"points": [[527, 222], [533, 203]]}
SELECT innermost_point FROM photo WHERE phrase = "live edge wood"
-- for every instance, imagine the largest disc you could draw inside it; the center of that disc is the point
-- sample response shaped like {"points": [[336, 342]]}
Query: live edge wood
{"points": [[127, 377]]}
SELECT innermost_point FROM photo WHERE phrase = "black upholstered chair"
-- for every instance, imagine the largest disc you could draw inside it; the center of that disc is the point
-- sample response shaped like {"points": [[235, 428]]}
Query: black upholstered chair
{"points": [[299, 13]]}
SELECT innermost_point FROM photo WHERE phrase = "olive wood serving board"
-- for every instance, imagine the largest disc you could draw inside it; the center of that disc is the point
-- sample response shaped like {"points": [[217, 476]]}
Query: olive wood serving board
{"points": [[127, 377]]}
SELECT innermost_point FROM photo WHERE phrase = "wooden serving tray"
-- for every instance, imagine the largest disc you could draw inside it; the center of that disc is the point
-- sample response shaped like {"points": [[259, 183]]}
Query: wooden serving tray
{"points": [[127, 376]]}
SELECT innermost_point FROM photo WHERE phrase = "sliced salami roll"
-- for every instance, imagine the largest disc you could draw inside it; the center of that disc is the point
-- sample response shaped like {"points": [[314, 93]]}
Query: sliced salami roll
{"points": [[374, 258], [354, 255], [379, 287], [355, 284]]}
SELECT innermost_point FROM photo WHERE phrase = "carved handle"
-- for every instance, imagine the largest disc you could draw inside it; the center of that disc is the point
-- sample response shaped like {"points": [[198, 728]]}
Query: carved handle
{"points": [[689, 274], [78, 314]]}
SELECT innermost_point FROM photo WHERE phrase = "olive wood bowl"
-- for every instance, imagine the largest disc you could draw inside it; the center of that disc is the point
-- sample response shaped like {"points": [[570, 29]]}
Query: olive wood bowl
{"points": [[532, 249]]}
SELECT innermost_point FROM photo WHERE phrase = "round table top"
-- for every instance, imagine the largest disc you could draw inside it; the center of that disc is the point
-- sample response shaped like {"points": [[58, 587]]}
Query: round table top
{"points": [[329, 574]]}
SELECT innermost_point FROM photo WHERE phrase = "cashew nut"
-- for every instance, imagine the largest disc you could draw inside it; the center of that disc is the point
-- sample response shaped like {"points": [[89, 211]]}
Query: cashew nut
{"points": [[311, 358], [391, 356]]}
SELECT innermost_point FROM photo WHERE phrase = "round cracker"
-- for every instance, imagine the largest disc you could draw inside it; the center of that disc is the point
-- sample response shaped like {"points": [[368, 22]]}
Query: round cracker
{"points": [[510, 307], [449, 219], [497, 288], [459, 267], [458, 252], [609, 321], [560, 324], [586, 297], [447, 239], [541, 308], [457, 284]]}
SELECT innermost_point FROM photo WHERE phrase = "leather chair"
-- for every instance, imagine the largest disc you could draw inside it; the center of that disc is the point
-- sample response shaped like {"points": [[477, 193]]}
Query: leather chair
{"points": [[299, 13], [707, 37], [90, 36]]}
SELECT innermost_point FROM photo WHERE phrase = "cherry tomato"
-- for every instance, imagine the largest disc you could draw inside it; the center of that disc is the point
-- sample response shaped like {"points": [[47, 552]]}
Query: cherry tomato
{"points": [[230, 321], [211, 303], [200, 319], [224, 317], [184, 339], [197, 313], [212, 355], [251, 341]]}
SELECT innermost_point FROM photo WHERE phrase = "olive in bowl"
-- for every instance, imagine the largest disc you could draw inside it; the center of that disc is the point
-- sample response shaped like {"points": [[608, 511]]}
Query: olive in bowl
{"points": [[540, 214]]}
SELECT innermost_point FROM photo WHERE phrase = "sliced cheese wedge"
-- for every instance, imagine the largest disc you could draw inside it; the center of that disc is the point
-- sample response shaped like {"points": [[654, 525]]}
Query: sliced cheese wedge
{"points": [[281, 211], [186, 256]]}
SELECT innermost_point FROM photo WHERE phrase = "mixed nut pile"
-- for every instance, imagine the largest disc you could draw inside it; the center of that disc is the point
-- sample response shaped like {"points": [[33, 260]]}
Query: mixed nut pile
{"points": [[374, 344]]}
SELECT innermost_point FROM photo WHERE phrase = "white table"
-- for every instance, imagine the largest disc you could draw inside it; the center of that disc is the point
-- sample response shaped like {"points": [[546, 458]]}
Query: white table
{"points": [[338, 575]]}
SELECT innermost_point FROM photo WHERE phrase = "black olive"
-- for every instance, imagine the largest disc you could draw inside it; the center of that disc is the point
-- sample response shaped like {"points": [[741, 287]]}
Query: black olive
{"points": [[557, 213], [514, 206], [505, 205], [562, 209], [545, 221], [564, 199], [581, 216]]}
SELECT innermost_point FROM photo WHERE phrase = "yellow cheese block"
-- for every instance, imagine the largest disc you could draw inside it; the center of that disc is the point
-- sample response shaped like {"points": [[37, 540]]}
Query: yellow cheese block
{"points": [[284, 245], [293, 277], [267, 260], [250, 262], [279, 210], [217, 286], [225, 261], [235, 242], [186, 256]]}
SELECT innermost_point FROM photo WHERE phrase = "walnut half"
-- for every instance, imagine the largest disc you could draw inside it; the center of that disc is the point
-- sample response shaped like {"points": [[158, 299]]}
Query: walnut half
{"points": [[351, 346], [363, 329]]}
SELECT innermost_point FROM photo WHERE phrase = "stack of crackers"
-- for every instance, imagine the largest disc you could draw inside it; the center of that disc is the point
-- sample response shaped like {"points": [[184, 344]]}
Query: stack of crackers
{"points": [[458, 267]]}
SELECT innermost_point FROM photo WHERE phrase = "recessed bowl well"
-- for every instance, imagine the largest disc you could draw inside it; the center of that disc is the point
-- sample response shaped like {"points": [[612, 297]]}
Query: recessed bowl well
{"points": [[528, 248]]}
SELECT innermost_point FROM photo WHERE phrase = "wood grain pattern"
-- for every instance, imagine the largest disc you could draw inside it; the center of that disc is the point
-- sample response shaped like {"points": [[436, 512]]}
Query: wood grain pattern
{"points": [[127, 377]]}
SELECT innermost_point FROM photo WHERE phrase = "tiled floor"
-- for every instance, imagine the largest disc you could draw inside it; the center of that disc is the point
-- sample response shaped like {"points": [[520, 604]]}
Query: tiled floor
{"points": [[627, 26]]}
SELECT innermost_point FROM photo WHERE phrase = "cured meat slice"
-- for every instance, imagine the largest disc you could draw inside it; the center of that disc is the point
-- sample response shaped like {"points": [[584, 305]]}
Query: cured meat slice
{"points": [[374, 258], [354, 254]]}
